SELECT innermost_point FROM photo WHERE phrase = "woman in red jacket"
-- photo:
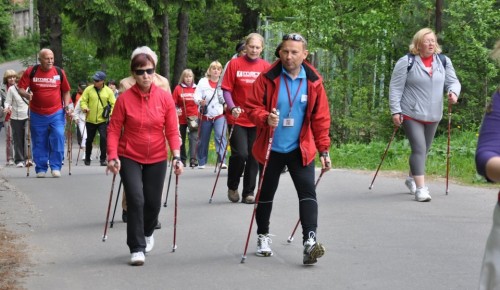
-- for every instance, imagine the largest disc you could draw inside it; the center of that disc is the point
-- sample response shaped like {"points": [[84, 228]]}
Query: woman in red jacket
{"points": [[186, 108], [148, 118], [292, 87]]}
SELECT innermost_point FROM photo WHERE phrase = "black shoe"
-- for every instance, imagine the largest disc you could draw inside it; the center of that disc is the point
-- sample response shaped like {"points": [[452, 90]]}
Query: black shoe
{"points": [[158, 226], [193, 163], [87, 162], [104, 163], [285, 170], [124, 216]]}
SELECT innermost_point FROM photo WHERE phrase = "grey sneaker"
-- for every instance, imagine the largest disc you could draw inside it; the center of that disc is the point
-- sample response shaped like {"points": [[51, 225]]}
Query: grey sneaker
{"points": [[249, 199], [410, 183], [312, 250], [233, 195], [263, 248], [422, 194]]}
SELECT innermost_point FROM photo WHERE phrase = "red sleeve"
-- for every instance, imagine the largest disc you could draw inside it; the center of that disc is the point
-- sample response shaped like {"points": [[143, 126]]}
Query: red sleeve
{"points": [[254, 106], [320, 120], [65, 87], [115, 128], [171, 123]]}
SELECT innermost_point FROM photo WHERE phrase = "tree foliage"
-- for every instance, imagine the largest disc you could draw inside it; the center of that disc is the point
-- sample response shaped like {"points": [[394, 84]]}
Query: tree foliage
{"points": [[354, 44]]}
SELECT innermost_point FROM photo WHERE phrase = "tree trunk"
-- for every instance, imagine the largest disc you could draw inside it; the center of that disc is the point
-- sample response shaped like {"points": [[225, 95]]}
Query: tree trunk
{"points": [[439, 16], [182, 41], [50, 24], [164, 43]]}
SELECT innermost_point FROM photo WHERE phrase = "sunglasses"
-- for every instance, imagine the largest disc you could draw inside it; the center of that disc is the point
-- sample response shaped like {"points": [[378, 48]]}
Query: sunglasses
{"points": [[293, 36], [140, 72]]}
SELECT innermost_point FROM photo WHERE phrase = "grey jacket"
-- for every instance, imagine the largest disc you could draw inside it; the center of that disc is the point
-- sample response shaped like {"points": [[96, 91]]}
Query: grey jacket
{"points": [[416, 94]]}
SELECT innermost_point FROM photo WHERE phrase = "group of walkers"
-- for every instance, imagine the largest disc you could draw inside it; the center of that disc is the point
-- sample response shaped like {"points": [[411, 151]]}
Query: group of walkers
{"points": [[277, 116]]}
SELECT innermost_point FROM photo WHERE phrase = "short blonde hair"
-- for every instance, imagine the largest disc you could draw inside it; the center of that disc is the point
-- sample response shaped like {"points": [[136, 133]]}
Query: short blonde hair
{"points": [[9, 73], [214, 64], [184, 74], [418, 40]]}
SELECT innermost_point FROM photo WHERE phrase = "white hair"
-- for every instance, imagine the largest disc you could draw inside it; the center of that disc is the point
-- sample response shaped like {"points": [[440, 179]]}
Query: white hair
{"points": [[145, 50]]}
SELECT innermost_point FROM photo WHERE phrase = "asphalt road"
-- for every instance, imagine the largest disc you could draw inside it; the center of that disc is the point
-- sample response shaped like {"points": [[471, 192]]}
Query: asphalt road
{"points": [[375, 239]]}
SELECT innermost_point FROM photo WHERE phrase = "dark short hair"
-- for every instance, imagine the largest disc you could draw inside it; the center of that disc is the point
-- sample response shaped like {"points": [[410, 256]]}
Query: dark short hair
{"points": [[141, 60], [112, 82]]}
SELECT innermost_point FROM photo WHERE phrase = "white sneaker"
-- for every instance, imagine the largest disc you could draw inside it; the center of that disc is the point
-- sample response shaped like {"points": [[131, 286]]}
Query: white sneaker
{"points": [[137, 259], [263, 248], [40, 174], [11, 163], [150, 243], [201, 166], [20, 165], [56, 173], [410, 183], [422, 194], [223, 166], [312, 250]]}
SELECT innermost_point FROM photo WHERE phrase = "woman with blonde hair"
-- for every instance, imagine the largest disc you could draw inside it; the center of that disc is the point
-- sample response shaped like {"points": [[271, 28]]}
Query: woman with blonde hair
{"points": [[187, 111], [10, 79], [211, 103], [237, 85], [416, 101], [17, 107]]}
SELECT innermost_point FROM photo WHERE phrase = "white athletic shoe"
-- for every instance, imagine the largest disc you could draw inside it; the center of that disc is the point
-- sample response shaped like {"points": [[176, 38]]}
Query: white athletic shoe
{"points": [[263, 248], [56, 173], [201, 166], [410, 183], [40, 174], [150, 243], [137, 259], [422, 194], [312, 250], [20, 165]]}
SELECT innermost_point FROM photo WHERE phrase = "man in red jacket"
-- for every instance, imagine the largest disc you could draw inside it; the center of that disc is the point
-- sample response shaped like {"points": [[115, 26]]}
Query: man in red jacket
{"points": [[290, 109]]}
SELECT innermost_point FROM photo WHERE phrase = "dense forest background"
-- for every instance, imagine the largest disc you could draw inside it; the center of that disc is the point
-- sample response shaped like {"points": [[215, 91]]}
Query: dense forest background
{"points": [[354, 43]]}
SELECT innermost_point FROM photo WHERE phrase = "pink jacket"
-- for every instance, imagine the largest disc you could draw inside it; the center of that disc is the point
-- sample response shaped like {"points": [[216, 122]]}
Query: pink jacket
{"points": [[148, 120]]}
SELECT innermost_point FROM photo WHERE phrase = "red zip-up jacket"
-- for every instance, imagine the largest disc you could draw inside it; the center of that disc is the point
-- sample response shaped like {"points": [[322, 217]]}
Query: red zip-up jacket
{"points": [[314, 134], [146, 119]]}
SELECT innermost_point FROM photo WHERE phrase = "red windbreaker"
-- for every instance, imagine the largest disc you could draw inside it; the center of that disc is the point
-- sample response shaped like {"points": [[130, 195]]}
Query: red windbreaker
{"points": [[314, 134], [146, 119]]}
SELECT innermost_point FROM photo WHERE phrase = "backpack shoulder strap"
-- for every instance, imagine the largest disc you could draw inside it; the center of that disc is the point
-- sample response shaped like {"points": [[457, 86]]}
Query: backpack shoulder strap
{"points": [[33, 71], [411, 61], [442, 58]]}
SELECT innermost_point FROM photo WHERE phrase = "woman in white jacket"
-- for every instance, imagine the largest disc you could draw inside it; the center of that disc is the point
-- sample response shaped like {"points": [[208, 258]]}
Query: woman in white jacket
{"points": [[211, 103], [79, 117]]}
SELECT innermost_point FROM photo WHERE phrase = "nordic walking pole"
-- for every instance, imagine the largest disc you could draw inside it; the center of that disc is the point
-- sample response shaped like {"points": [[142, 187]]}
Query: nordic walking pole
{"points": [[268, 152], [220, 142], [105, 237], [169, 179], [385, 153], [70, 144], [290, 238], [448, 149], [29, 163], [116, 203], [174, 246], [80, 145], [223, 156]]}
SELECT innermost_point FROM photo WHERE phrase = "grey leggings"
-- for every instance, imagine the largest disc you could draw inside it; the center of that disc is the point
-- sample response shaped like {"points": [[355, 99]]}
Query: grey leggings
{"points": [[420, 136]]}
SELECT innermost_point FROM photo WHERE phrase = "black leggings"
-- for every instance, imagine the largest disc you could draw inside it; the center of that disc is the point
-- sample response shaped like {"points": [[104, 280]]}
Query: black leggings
{"points": [[143, 184], [303, 180], [242, 161]]}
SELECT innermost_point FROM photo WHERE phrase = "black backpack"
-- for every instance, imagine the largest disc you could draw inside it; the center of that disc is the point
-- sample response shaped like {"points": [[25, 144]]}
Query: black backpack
{"points": [[411, 60]]}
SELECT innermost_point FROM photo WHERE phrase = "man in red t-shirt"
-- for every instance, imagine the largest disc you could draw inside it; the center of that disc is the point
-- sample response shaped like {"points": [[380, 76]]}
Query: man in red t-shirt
{"points": [[49, 99]]}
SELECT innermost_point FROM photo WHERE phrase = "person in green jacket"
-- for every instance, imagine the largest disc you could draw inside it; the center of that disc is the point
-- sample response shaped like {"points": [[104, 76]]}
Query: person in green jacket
{"points": [[94, 100]]}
